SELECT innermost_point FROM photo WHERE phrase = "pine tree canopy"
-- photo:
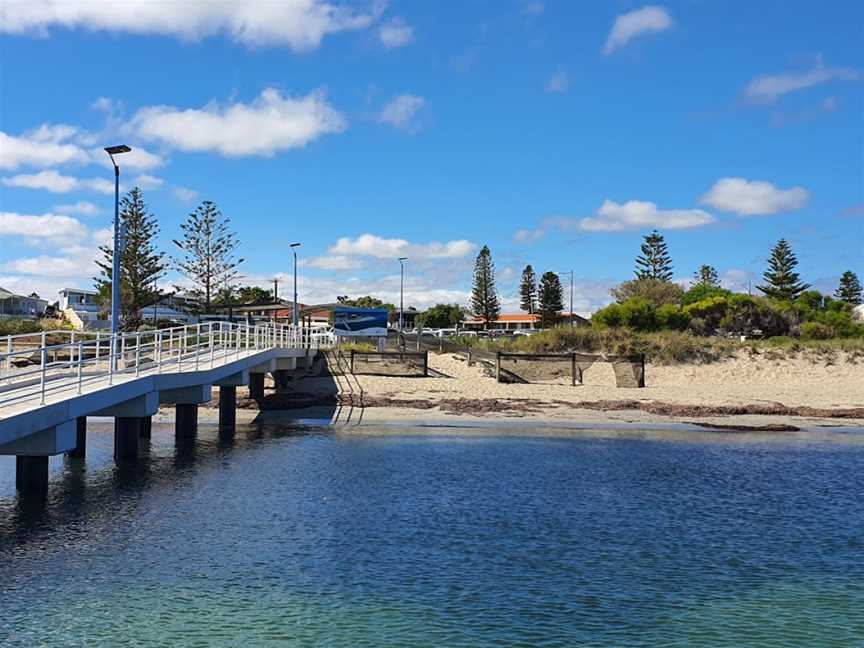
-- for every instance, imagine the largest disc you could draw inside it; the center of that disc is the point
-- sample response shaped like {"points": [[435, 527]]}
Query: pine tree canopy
{"points": [[654, 262], [849, 290], [706, 275], [208, 248], [484, 296], [141, 264], [528, 291], [781, 280], [551, 298]]}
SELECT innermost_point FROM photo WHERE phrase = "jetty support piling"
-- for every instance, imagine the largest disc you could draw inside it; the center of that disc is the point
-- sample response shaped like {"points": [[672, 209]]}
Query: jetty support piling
{"points": [[31, 474], [227, 406], [80, 449], [256, 385], [186, 420], [126, 431]]}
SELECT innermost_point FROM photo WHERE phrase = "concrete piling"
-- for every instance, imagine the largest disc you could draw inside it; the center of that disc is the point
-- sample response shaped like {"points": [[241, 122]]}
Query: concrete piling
{"points": [[227, 406], [126, 432], [31, 474], [186, 420]]}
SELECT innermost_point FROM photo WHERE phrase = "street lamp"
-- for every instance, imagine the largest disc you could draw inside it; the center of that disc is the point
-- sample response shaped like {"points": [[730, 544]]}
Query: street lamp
{"points": [[115, 270], [402, 261], [294, 314], [570, 272]]}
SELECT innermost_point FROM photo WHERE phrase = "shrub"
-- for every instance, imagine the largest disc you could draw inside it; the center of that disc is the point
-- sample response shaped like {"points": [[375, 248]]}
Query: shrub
{"points": [[816, 331], [671, 316], [653, 290], [639, 314], [17, 326], [710, 311], [700, 292], [610, 316]]}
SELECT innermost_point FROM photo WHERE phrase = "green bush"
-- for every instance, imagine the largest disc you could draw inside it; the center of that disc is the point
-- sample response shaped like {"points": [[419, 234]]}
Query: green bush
{"points": [[709, 312], [17, 326], [610, 316], [701, 292], [671, 316], [816, 331]]}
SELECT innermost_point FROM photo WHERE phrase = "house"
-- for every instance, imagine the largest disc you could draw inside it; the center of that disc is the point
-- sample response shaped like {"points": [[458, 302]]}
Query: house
{"points": [[79, 305], [858, 313], [14, 306], [519, 321]]}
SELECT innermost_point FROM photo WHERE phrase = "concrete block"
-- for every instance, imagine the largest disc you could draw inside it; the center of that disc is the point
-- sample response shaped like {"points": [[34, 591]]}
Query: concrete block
{"points": [[51, 441]]}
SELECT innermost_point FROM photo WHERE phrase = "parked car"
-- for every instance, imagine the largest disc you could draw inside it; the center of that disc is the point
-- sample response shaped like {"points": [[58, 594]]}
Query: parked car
{"points": [[525, 332]]}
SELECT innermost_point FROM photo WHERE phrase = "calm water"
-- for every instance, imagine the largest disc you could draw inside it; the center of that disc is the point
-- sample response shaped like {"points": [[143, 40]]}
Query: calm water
{"points": [[314, 538]]}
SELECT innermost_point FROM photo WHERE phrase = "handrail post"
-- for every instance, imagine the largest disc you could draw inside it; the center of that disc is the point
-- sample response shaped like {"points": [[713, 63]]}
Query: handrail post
{"points": [[44, 358], [98, 341], [158, 342], [197, 342], [72, 343], [80, 364], [212, 347], [137, 353]]}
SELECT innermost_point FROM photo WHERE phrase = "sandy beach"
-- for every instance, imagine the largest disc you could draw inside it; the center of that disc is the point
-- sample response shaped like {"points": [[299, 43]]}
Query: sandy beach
{"points": [[744, 392]]}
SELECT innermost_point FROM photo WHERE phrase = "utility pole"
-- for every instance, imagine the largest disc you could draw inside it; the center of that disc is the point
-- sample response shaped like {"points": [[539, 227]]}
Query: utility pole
{"points": [[402, 261], [294, 311], [570, 272], [275, 290]]}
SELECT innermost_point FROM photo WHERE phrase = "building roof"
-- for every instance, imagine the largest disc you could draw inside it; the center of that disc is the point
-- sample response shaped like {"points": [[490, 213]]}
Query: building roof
{"points": [[522, 317], [83, 291]]}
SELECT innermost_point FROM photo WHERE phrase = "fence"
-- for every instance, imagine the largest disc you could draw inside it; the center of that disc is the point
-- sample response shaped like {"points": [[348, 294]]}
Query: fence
{"points": [[536, 367], [390, 363], [57, 365]]}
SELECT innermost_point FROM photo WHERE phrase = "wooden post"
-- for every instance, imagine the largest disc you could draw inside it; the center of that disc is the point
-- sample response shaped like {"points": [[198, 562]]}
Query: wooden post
{"points": [[642, 377], [573, 369], [352, 361], [425, 364], [498, 366]]}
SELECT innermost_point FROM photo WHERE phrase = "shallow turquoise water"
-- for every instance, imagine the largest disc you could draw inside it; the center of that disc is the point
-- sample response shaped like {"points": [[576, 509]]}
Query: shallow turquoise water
{"points": [[314, 538]]}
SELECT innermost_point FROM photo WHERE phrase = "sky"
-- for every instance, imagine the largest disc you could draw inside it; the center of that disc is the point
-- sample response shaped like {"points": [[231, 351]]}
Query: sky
{"points": [[557, 133]]}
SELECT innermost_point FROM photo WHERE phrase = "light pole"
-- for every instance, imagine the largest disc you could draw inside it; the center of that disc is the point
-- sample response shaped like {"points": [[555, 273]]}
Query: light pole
{"points": [[570, 272], [295, 315], [402, 261], [115, 269]]}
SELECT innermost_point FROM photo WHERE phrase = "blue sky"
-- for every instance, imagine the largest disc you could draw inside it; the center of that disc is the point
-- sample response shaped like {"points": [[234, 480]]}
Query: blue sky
{"points": [[558, 133]]}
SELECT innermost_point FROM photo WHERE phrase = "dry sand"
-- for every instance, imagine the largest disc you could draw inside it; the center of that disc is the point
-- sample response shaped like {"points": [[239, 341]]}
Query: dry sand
{"points": [[718, 393]]}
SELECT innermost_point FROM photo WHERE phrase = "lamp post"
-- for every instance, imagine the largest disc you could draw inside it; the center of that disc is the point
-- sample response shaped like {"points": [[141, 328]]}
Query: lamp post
{"points": [[402, 261], [115, 269], [570, 272], [295, 316]]}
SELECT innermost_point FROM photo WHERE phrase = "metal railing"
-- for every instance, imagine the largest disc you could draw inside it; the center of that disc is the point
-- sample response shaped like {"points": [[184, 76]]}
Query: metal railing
{"points": [[92, 358]]}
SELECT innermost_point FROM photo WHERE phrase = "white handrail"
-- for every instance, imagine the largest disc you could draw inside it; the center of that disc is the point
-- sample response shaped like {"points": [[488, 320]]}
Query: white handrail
{"points": [[37, 373]]}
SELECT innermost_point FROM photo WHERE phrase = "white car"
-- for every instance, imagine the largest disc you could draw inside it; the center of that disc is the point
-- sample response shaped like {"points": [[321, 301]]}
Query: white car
{"points": [[525, 332]]}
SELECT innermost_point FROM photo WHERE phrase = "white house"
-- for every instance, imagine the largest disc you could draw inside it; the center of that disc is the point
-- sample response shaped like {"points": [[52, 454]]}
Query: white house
{"points": [[79, 305]]}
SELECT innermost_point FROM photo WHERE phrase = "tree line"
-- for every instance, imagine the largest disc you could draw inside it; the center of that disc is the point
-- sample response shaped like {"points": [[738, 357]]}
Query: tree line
{"points": [[205, 255], [787, 305]]}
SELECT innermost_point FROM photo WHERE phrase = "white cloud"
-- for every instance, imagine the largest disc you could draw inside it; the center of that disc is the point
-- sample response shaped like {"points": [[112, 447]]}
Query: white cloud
{"points": [[53, 266], [82, 207], [528, 235], [269, 124], [145, 181], [637, 214], [765, 89], [45, 226], [298, 24], [382, 248], [184, 195], [335, 262], [400, 111], [395, 33], [647, 20], [753, 197], [54, 182], [45, 146], [559, 81]]}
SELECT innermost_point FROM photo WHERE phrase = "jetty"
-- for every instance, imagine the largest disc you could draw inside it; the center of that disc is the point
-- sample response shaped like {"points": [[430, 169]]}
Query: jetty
{"points": [[50, 387]]}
